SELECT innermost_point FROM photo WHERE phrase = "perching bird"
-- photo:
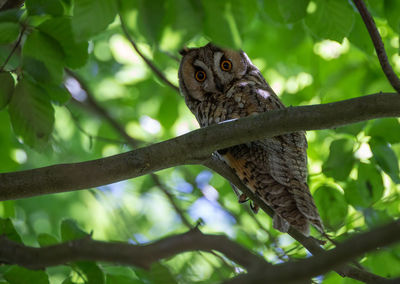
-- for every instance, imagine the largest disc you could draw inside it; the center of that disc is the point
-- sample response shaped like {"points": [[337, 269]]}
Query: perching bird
{"points": [[222, 84]]}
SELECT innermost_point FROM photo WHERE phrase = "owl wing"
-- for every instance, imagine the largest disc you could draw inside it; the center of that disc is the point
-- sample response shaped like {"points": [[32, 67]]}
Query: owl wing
{"points": [[286, 160]]}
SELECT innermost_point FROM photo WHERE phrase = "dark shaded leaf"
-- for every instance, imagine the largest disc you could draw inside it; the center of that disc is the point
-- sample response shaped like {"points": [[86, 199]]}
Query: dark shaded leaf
{"points": [[6, 89], [7, 229], [40, 7], [332, 206], [93, 273], [21, 275], [60, 29], [293, 10], [392, 13], [31, 114], [333, 19], [58, 94], [158, 273], [9, 32], [92, 16], [387, 129], [386, 158], [151, 19]]}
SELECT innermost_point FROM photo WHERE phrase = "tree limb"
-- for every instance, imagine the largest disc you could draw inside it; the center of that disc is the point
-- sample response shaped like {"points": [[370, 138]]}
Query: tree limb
{"points": [[378, 44], [194, 147], [136, 255], [325, 261]]}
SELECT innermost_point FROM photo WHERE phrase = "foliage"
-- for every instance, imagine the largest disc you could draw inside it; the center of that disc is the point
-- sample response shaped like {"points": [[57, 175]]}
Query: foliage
{"points": [[309, 51]]}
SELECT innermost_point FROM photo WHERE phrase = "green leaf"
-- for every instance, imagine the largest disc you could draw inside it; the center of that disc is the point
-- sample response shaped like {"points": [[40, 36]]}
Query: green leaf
{"points": [[244, 14], [92, 16], [333, 19], [340, 160], [374, 218], [6, 89], [46, 240], [367, 189], [121, 279], [41, 7], [36, 69], [71, 231], [272, 10], [332, 206], [7, 209], [11, 15], [7, 229], [44, 48], [93, 273], [31, 113], [168, 112], [386, 128], [359, 36], [219, 14], [352, 129], [21, 275], [392, 13], [386, 158], [293, 10], [58, 94], [158, 273], [60, 29], [151, 19], [9, 32]]}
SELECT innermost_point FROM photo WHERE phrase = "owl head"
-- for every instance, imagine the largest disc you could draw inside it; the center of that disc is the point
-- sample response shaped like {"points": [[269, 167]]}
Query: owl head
{"points": [[210, 69]]}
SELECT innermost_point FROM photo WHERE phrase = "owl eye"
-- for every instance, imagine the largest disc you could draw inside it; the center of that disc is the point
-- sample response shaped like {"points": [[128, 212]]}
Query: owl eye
{"points": [[200, 75], [226, 65]]}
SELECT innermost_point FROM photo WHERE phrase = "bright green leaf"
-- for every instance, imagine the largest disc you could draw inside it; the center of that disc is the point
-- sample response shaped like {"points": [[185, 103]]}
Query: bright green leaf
{"points": [[293, 10], [168, 112], [31, 113], [244, 14], [387, 129], [359, 36], [392, 13], [71, 231], [41, 7], [367, 189], [92, 16], [7, 229], [60, 29], [6, 89], [21, 275], [386, 158], [46, 240], [7, 209], [340, 160], [333, 19], [9, 32], [332, 206]]}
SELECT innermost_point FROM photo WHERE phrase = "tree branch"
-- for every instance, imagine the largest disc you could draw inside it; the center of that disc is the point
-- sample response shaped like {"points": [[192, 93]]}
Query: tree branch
{"points": [[194, 147], [145, 59], [128, 254], [378, 44], [317, 265]]}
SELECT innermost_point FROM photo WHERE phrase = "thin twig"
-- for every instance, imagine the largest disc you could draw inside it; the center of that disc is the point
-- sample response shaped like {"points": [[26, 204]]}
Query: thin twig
{"points": [[378, 44], [14, 48], [145, 59]]}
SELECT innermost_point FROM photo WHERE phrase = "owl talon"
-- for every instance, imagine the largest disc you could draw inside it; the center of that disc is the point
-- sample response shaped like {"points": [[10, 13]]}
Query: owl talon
{"points": [[243, 198]]}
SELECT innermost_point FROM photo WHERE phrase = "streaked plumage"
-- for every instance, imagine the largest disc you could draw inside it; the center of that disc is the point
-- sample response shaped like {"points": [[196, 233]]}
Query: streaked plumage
{"points": [[222, 84]]}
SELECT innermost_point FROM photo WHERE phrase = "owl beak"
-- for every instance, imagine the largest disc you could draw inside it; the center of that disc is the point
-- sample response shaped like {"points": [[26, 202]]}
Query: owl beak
{"points": [[219, 86]]}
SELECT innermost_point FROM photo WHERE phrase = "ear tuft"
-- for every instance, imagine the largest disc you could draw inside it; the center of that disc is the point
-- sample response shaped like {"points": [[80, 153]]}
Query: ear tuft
{"points": [[184, 51]]}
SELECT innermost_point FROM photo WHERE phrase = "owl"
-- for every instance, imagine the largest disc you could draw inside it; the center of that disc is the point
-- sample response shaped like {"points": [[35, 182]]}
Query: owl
{"points": [[221, 84]]}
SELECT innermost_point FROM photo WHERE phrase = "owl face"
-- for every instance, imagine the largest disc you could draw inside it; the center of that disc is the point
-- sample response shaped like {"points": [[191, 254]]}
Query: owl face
{"points": [[210, 69]]}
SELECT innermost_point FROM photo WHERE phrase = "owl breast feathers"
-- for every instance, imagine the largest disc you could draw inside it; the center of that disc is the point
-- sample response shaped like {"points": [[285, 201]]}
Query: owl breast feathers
{"points": [[221, 84]]}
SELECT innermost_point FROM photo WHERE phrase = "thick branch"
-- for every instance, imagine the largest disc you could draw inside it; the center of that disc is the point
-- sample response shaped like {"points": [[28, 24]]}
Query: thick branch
{"points": [[135, 255], [194, 147], [378, 44], [313, 266]]}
